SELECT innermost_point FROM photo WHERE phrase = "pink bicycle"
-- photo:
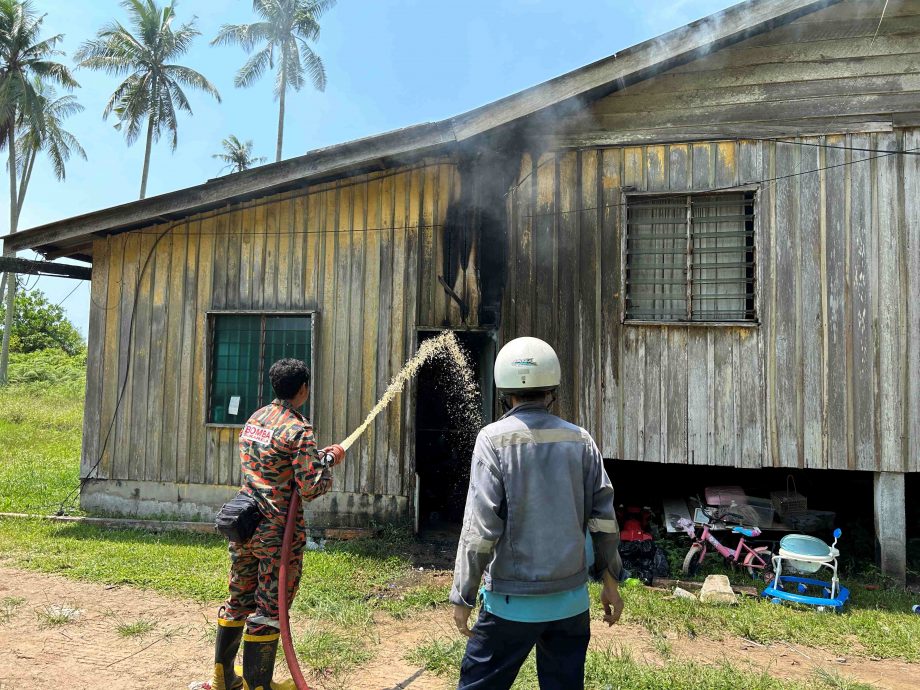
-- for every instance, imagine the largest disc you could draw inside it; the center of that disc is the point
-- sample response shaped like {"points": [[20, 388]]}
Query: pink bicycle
{"points": [[756, 560]]}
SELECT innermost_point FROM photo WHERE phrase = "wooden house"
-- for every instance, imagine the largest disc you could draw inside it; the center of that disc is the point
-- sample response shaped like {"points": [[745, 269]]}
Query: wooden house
{"points": [[718, 229]]}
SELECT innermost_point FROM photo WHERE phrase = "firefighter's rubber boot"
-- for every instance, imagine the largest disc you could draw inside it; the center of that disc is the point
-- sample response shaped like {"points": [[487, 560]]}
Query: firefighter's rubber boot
{"points": [[229, 635], [259, 653]]}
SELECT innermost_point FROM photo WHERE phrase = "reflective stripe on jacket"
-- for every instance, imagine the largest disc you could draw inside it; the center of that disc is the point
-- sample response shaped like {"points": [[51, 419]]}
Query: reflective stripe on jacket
{"points": [[537, 483]]}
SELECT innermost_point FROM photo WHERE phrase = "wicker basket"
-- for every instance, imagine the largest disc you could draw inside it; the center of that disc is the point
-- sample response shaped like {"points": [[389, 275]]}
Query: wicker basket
{"points": [[790, 501]]}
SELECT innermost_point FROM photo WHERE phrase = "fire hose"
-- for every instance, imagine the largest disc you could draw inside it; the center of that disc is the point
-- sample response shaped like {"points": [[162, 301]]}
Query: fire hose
{"points": [[329, 459]]}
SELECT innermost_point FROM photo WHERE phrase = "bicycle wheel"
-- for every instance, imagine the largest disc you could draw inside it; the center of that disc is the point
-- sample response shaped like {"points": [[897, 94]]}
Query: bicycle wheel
{"points": [[692, 560], [752, 563]]}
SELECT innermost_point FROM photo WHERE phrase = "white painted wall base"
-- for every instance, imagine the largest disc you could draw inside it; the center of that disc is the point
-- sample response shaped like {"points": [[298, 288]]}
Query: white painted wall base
{"points": [[891, 524]]}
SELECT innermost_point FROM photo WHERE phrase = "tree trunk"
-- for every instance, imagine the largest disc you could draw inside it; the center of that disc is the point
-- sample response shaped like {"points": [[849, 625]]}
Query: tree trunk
{"points": [[10, 277], [147, 157], [281, 115]]}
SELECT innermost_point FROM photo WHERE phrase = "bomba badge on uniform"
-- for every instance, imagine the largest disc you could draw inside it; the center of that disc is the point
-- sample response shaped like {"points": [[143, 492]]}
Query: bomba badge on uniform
{"points": [[256, 434]]}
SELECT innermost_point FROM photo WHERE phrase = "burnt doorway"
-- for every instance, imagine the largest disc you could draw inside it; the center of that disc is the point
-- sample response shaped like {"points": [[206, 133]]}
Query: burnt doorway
{"points": [[443, 450]]}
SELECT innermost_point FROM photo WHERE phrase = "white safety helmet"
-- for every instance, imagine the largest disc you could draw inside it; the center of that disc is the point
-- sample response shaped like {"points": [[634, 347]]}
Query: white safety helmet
{"points": [[527, 365]]}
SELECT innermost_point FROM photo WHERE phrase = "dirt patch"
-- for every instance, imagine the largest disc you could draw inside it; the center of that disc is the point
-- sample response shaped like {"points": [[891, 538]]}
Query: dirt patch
{"points": [[55, 632]]}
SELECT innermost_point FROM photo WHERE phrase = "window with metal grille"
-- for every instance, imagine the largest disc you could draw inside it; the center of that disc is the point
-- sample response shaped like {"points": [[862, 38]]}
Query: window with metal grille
{"points": [[690, 258], [243, 348]]}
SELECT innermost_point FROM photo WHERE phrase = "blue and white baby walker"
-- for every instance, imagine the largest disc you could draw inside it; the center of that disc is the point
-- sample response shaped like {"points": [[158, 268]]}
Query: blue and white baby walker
{"points": [[807, 555]]}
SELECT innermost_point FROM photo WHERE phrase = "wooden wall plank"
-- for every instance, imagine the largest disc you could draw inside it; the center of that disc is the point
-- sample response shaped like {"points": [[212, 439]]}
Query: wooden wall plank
{"points": [[405, 472], [811, 324], [911, 286], [863, 369], [545, 239], [246, 275], [385, 333], [751, 79], [199, 470], [342, 413], [835, 244], [259, 234], [299, 248], [675, 394], [587, 282], [110, 389], [287, 249], [186, 361], [122, 435], [523, 251], [441, 300], [172, 403], [234, 241], [157, 372], [272, 261], [370, 308], [751, 389], [567, 266], [428, 268], [220, 275], [787, 405], [356, 316], [93, 419], [399, 316], [611, 327], [889, 323]]}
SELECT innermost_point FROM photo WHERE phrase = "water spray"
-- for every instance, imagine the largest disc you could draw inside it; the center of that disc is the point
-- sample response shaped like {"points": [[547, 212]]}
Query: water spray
{"points": [[447, 343]]}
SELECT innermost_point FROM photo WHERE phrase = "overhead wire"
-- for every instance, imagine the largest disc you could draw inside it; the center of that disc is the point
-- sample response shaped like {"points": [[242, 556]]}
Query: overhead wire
{"points": [[69, 294]]}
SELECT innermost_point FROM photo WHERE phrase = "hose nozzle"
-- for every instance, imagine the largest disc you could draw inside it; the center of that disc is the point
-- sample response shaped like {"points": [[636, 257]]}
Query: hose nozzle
{"points": [[332, 455]]}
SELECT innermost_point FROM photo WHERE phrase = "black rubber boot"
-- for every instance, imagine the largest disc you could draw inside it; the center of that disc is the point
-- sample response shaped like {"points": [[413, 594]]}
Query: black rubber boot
{"points": [[259, 660], [229, 635]]}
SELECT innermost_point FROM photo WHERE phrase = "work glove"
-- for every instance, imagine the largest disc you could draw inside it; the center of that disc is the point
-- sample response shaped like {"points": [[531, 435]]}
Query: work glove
{"points": [[333, 455]]}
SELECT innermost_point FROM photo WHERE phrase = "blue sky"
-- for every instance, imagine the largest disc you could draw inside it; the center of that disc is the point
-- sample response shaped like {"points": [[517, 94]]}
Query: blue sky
{"points": [[389, 63]]}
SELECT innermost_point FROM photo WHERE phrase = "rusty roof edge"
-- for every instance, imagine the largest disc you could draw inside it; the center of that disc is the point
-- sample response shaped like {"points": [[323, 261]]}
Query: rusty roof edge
{"points": [[259, 181], [742, 20]]}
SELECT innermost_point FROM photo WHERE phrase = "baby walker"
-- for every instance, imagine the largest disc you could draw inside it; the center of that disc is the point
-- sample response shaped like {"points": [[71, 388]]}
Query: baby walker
{"points": [[807, 555]]}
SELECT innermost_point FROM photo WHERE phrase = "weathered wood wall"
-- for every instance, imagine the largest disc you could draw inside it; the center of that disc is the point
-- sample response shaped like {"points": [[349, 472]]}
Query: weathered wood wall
{"points": [[841, 69], [829, 379], [363, 252]]}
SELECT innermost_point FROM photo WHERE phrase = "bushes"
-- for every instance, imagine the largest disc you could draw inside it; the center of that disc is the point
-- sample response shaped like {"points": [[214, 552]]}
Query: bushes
{"points": [[53, 367]]}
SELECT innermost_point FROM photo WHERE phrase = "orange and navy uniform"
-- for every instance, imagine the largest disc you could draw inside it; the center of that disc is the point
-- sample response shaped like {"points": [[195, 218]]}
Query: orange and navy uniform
{"points": [[277, 451], [277, 447]]}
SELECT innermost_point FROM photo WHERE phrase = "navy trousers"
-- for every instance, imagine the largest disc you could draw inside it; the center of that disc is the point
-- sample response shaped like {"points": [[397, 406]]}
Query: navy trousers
{"points": [[498, 648]]}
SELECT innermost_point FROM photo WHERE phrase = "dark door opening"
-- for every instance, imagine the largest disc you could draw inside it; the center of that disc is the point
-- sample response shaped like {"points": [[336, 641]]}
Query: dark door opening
{"points": [[443, 450]]}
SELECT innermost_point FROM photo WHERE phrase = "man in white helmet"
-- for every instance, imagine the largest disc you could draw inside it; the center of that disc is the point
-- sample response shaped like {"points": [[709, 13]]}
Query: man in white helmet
{"points": [[537, 485]]}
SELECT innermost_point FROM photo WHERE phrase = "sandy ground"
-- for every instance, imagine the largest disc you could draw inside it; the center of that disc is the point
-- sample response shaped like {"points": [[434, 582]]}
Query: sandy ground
{"points": [[88, 652]]}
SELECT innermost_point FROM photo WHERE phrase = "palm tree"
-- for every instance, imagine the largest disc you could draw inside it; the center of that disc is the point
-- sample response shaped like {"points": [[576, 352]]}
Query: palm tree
{"points": [[237, 155], [24, 55], [43, 131], [283, 33], [152, 90]]}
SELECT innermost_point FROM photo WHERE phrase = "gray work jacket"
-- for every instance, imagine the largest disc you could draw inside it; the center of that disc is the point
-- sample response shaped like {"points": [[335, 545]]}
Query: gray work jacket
{"points": [[537, 483]]}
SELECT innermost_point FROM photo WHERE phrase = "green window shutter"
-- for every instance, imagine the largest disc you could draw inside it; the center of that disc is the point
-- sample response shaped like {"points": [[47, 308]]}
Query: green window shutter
{"points": [[234, 367], [285, 336]]}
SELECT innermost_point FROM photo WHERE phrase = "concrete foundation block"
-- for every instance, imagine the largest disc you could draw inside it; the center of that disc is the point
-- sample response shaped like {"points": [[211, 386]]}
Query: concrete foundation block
{"points": [[891, 524]]}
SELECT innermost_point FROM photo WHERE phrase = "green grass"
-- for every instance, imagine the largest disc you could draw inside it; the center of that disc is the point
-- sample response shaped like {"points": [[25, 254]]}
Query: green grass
{"points": [[617, 670], [345, 585], [876, 623], [8, 607], [137, 628], [55, 616], [40, 437]]}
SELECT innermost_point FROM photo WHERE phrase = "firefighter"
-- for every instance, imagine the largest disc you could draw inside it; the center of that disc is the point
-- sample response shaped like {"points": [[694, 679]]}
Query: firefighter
{"points": [[277, 451], [537, 487]]}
